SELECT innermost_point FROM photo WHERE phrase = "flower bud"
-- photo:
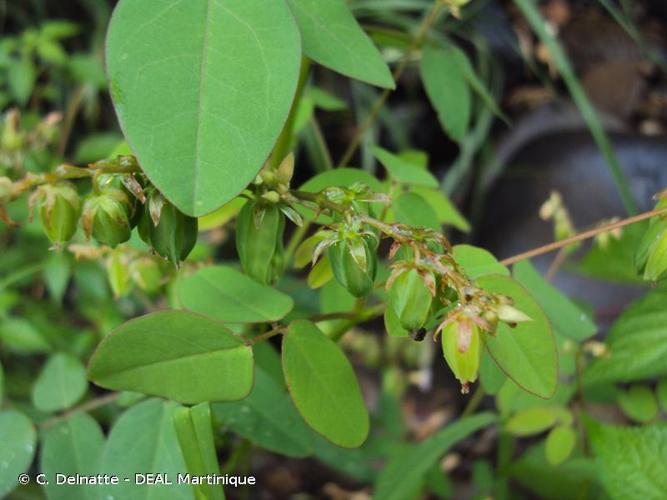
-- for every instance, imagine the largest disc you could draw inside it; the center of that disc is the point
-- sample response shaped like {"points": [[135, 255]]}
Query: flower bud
{"points": [[106, 217], [175, 234], [259, 240], [510, 314], [286, 170], [461, 345], [59, 208], [411, 299], [354, 264]]}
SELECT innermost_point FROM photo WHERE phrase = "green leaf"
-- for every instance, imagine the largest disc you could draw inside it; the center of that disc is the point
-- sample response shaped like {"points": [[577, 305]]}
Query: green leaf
{"points": [[631, 461], [202, 90], [18, 438], [445, 210], [73, 446], [61, 383], [476, 84], [566, 317], [227, 295], [639, 403], [96, 146], [402, 477], [526, 353], [57, 272], [636, 343], [177, 355], [267, 418], [143, 440], [22, 337], [340, 177], [559, 444], [447, 89], [2, 383], [477, 262], [21, 78], [411, 209], [576, 478], [403, 171], [615, 261], [323, 385], [536, 420], [194, 429], [332, 37]]}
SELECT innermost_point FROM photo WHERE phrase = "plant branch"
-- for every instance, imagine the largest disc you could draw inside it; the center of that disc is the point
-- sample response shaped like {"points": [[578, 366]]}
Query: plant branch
{"points": [[91, 405], [373, 113], [557, 245]]}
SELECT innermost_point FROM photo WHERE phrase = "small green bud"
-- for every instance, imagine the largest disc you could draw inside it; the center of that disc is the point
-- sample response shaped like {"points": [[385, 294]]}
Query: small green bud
{"points": [[510, 314], [59, 208], [461, 345], [286, 170], [106, 217], [354, 264], [175, 234], [411, 298], [259, 240]]}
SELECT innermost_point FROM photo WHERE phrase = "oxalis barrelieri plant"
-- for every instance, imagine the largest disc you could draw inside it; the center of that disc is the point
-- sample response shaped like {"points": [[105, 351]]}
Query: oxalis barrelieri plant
{"points": [[207, 219]]}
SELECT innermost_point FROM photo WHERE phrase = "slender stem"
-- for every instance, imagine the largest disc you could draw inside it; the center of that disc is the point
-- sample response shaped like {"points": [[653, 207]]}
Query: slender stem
{"points": [[539, 26], [557, 245], [278, 330], [474, 402], [91, 405], [424, 27]]}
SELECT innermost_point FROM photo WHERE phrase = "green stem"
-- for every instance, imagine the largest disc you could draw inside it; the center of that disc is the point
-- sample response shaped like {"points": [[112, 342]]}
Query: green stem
{"points": [[422, 31], [284, 143], [539, 26]]}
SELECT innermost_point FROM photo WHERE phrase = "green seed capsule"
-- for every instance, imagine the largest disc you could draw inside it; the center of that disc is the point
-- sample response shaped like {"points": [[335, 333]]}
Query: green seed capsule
{"points": [[354, 264], [59, 208], [175, 235], [461, 345], [411, 299], [259, 241], [106, 217]]}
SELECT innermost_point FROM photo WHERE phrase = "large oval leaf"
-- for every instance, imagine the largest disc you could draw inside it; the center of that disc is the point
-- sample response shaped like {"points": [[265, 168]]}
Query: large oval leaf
{"points": [[175, 354], [17, 447], [333, 38], [73, 446], [225, 294], [526, 353], [143, 440], [323, 385], [202, 89]]}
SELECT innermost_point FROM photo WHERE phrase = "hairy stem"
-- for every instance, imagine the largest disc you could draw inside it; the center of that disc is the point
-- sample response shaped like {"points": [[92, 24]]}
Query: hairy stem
{"points": [[557, 245]]}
